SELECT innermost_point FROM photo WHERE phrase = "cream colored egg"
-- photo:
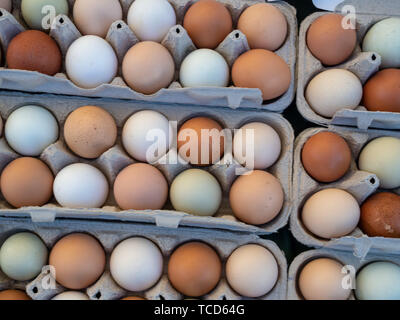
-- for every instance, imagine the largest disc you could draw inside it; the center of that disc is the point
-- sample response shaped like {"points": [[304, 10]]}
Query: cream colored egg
{"points": [[331, 213], [334, 90], [252, 270]]}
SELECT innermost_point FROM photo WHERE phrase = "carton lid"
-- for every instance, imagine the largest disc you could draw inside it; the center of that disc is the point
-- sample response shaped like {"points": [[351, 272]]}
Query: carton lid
{"points": [[384, 7]]}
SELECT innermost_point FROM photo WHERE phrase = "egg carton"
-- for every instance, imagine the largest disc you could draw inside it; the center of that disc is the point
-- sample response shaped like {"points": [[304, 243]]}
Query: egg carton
{"points": [[43, 287], [177, 41], [57, 156], [362, 64], [360, 184], [345, 258]]}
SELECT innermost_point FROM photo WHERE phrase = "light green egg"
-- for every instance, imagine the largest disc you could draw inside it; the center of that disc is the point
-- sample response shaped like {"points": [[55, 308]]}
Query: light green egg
{"points": [[38, 14], [22, 256]]}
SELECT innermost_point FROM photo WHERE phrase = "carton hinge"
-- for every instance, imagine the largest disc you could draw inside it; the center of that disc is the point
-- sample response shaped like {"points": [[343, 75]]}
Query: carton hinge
{"points": [[168, 219], [43, 216]]}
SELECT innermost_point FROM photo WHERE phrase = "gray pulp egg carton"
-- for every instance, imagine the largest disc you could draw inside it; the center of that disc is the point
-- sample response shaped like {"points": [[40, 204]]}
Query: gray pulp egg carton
{"points": [[57, 156], [360, 184], [363, 64], [177, 41], [347, 259], [43, 287]]}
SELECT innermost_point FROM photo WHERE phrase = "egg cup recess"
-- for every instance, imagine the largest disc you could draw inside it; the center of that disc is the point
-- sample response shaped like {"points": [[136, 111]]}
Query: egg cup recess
{"points": [[121, 38], [58, 156], [362, 63], [112, 233], [353, 267], [355, 182]]}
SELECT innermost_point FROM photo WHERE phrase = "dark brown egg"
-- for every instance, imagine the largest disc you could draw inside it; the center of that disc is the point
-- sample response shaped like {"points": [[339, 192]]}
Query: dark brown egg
{"points": [[262, 69], [207, 22], [382, 91], [34, 51], [326, 156], [380, 215], [201, 134], [329, 42]]}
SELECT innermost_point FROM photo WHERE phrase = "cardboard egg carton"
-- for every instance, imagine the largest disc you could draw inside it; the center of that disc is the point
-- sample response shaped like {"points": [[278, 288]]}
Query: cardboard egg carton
{"points": [[44, 287], [57, 156], [360, 184], [354, 265], [177, 41], [362, 64]]}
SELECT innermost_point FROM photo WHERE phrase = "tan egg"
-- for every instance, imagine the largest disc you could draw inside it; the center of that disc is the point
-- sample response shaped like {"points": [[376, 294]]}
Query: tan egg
{"points": [[201, 141], [264, 26], [194, 269], [256, 198], [27, 182], [207, 22], [148, 67], [321, 279], [262, 69], [94, 17], [1, 126], [13, 295], [79, 260], [89, 131], [140, 186], [329, 42], [133, 298]]}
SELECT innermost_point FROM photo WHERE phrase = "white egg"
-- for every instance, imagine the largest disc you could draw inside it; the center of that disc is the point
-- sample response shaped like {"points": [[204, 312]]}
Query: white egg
{"points": [[334, 90], [71, 295], [147, 135], [252, 271], [204, 68], [196, 192], [381, 156], [331, 213], [30, 129], [80, 185], [90, 62], [384, 39], [136, 264], [150, 20], [256, 145], [378, 281]]}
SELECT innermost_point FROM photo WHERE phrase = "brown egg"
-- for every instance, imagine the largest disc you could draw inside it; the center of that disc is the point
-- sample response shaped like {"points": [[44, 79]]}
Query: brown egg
{"points": [[329, 42], [382, 91], [133, 298], [262, 69], [264, 26], [148, 67], [140, 186], [96, 16], [380, 215], [326, 156], [79, 260], [34, 51], [13, 295], [90, 131], [27, 182], [190, 138], [194, 269], [207, 22], [256, 198]]}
